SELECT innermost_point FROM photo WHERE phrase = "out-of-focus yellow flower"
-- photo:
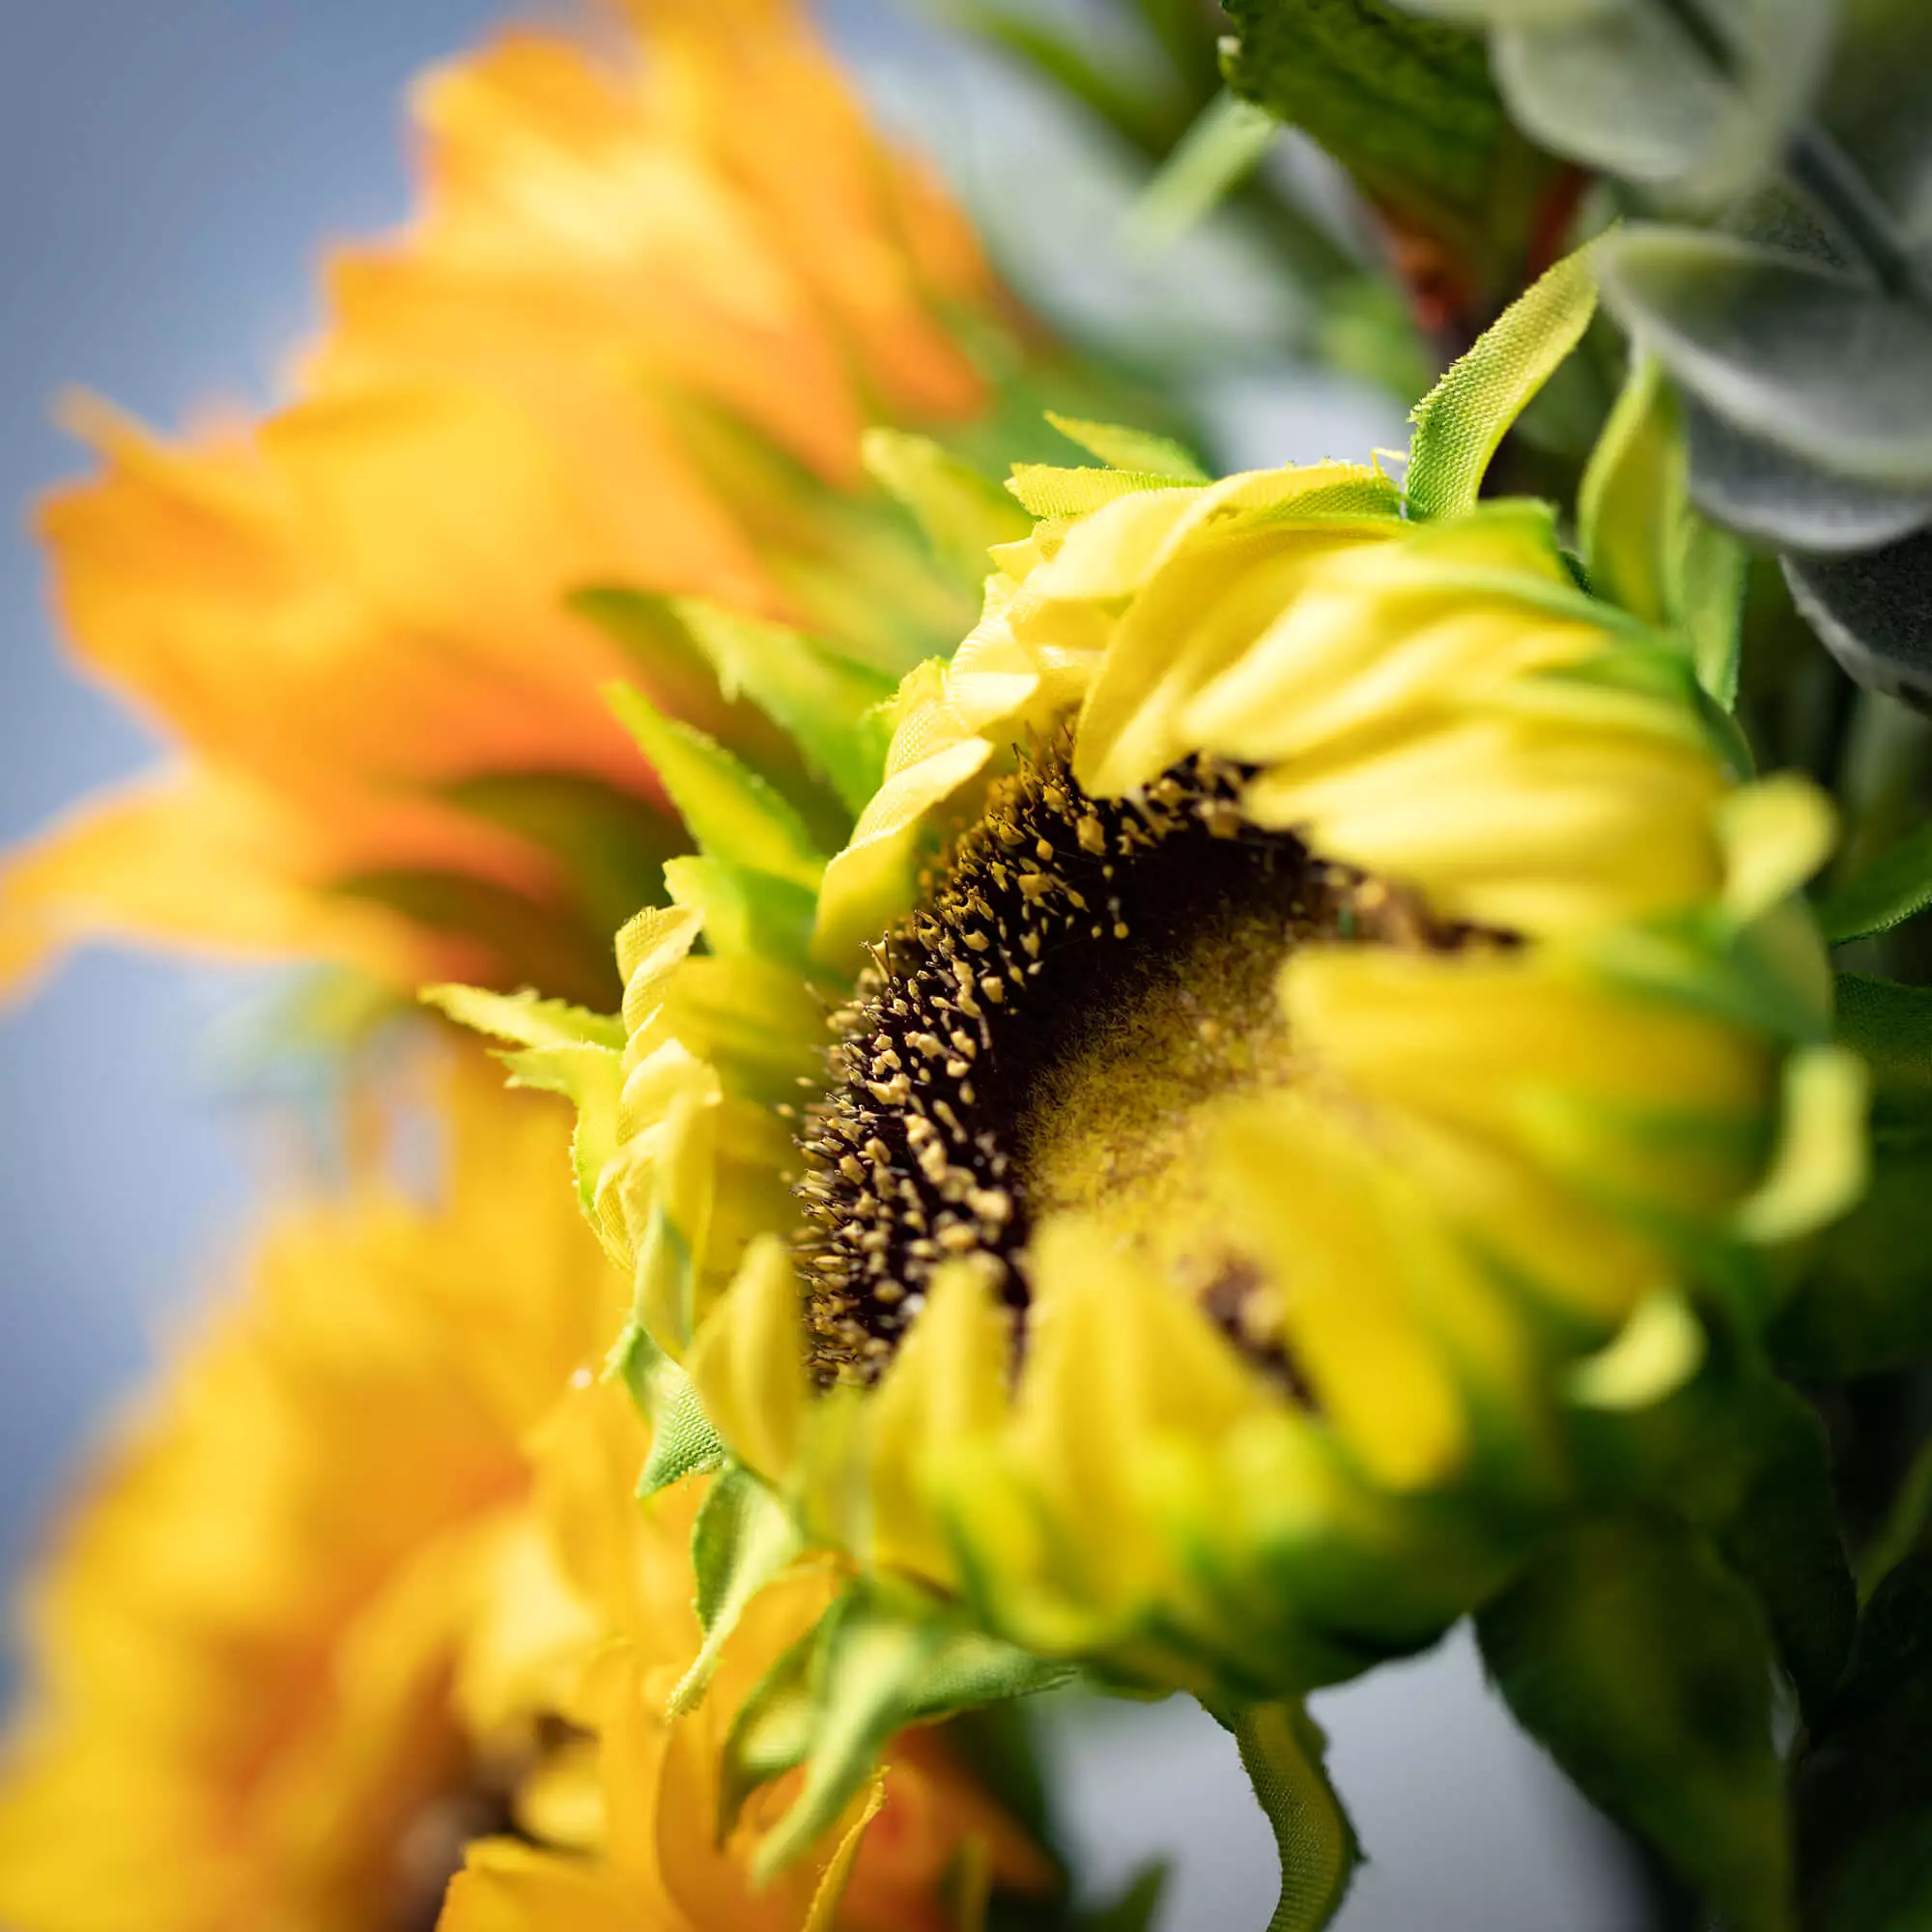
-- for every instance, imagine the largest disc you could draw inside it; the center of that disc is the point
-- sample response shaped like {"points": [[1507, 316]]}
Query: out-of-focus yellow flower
{"points": [[632, 1828], [1266, 1111], [649, 304], [309, 1634]]}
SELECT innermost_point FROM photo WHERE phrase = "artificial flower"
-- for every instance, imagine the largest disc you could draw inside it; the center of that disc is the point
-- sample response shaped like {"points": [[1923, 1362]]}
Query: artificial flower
{"points": [[653, 296], [311, 1631], [1313, 1011]]}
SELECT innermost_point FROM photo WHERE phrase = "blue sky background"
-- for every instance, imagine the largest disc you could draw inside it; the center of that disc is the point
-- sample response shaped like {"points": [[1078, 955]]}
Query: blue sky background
{"points": [[167, 174]]}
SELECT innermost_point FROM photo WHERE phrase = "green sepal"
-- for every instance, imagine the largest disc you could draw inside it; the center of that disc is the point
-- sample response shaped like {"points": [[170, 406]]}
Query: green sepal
{"points": [[1462, 422], [826, 701], [560, 1049], [1643, 544], [1739, 977], [734, 813], [1641, 1662], [743, 1538], [748, 915], [962, 513], [1282, 1751], [683, 1442], [1862, 1790], [1052, 491], [526, 1018], [870, 1666], [1883, 893], [1120, 448]]}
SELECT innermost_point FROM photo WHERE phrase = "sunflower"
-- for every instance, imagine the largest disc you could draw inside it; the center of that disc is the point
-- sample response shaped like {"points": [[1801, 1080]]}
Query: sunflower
{"points": [[1315, 1015], [309, 1634], [621, 363]]}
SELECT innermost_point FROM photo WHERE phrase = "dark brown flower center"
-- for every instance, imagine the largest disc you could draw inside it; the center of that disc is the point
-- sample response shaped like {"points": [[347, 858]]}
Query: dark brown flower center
{"points": [[1082, 975]]}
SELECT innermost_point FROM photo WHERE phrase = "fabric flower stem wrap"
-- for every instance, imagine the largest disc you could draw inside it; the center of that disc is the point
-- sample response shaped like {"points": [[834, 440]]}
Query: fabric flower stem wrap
{"points": [[1281, 1751]]}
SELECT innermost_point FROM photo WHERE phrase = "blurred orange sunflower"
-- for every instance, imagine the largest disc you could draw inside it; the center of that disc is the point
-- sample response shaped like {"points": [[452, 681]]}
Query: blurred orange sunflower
{"points": [[656, 290]]}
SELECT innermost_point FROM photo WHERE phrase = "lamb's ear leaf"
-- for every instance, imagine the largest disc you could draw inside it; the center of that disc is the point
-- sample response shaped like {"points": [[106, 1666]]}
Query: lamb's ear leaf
{"points": [[1738, 324], [1625, 89], [1641, 1662], [1869, 613]]}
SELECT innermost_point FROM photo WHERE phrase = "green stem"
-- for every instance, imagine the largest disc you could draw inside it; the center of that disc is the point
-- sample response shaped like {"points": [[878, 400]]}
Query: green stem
{"points": [[1281, 1749]]}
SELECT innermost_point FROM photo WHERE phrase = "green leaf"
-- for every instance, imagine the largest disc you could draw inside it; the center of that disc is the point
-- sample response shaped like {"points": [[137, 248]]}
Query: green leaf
{"points": [[743, 1538], [1408, 107], [1282, 1751], [732, 812], [1889, 1026], [1862, 1791], [1907, 1527], [1628, 90], [826, 701], [1120, 448], [1743, 1459], [962, 513], [1784, 1537], [1863, 1306], [1515, 13], [1460, 422], [1642, 1664], [1785, 348], [1882, 894], [1870, 611]]}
